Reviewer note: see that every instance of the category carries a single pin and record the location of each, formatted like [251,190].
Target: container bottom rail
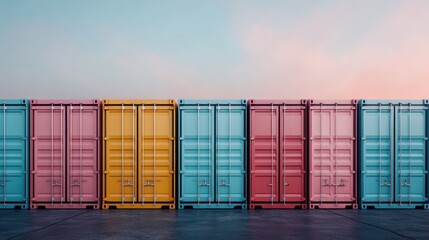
[334,206]
[394,206]
[138,205]
[65,206]
[256,205]
[213,206]
[16,205]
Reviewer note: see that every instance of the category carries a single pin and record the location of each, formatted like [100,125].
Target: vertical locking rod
[122,154]
[335,153]
[154,154]
[52,154]
[229,155]
[209,153]
[70,150]
[272,154]
[134,153]
[321,155]
[4,154]
[379,153]
[61,153]
[409,155]
[283,144]
[217,153]
[143,156]
[198,153]
[80,154]
[400,152]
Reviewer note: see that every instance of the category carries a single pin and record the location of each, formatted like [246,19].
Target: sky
[214,49]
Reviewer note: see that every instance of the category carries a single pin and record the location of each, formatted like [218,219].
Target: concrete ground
[214,224]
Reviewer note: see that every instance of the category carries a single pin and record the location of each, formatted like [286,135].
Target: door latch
[205,183]
[405,184]
[385,184]
[223,184]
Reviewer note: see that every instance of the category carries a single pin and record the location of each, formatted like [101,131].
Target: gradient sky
[214,49]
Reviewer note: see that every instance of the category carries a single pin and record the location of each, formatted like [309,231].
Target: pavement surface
[214,224]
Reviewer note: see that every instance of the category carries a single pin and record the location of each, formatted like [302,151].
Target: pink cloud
[390,61]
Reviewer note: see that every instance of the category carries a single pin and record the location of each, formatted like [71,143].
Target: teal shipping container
[212,154]
[14,154]
[393,154]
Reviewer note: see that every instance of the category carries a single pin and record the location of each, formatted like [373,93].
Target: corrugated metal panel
[393,158]
[196,146]
[14,155]
[230,155]
[264,146]
[332,154]
[65,153]
[212,153]
[410,160]
[277,153]
[83,153]
[156,161]
[48,154]
[293,120]
[139,153]
[377,128]
[120,158]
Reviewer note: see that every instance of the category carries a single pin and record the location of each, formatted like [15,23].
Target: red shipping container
[65,153]
[332,154]
[277,131]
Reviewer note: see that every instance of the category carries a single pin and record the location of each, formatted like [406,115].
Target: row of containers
[230,154]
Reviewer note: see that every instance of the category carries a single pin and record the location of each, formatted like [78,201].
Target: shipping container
[393,154]
[65,154]
[212,154]
[332,154]
[14,154]
[139,154]
[277,154]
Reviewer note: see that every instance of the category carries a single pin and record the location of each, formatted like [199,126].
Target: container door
[197,154]
[120,153]
[13,155]
[377,154]
[82,153]
[333,151]
[49,154]
[292,154]
[230,154]
[264,153]
[156,153]
[410,174]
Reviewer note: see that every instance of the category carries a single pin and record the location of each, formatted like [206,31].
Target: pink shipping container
[332,154]
[277,131]
[65,154]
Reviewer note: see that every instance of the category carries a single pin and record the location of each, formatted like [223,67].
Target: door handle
[385,184]
[223,184]
[405,184]
[205,183]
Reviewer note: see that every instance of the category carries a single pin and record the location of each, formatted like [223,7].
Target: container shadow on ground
[214,224]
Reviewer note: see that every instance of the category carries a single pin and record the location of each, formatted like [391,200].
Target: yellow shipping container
[139,153]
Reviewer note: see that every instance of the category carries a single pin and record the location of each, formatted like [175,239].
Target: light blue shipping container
[14,154]
[393,154]
[212,154]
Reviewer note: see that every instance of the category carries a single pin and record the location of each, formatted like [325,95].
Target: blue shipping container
[393,154]
[212,154]
[14,154]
